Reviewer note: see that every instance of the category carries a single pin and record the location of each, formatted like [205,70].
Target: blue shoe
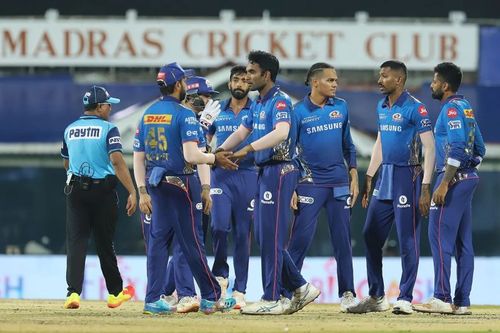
[159,307]
[222,305]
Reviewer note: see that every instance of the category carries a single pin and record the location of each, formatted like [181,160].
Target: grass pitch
[93,316]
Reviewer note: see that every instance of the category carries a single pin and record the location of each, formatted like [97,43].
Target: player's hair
[397,66]
[266,61]
[167,89]
[90,107]
[449,73]
[316,69]
[237,70]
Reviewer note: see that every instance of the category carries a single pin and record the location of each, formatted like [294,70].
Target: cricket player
[273,129]
[233,192]
[165,151]
[325,147]
[404,126]
[459,150]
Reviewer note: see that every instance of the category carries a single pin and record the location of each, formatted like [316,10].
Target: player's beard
[239,94]
[438,94]
[182,94]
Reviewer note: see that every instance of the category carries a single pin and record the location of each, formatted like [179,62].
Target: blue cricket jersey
[400,127]
[226,123]
[458,138]
[264,114]
[87,144]
[164,127]
[324,141]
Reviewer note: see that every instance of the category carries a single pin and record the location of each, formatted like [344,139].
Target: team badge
[335,114]
[397,117]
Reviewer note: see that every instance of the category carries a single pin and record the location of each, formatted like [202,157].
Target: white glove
[209,113]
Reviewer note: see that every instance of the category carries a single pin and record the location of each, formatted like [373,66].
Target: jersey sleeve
[420,117]
[455,130]
[282,111]
[189,127]
[138,138]
[348,147]
[247,120]
[64,149]
[113,140]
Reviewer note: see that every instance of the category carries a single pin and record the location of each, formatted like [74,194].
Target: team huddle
[274,162]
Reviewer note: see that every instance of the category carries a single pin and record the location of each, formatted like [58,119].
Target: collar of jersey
[311,106]
[452,97]
[269,94]
[89,117]
[227,103]
[399,102]
[170,99]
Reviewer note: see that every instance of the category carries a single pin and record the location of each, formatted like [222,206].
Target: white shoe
[402,307]
[461,310]
[303,296]
[223,283]
[347,301]
[370,304]
[240,299]
[188,304]
[170,299]
[435,305]
[264,308]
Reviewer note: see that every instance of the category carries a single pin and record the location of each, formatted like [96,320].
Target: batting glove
[209,113]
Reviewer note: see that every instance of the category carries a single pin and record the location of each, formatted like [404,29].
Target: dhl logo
[158,119]
[469,113]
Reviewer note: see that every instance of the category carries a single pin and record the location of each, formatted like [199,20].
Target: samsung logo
[324,127]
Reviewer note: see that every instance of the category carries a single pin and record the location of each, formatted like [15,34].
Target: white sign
[43,277]
[211,43]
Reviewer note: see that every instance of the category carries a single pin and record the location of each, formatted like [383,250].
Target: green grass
[93,316]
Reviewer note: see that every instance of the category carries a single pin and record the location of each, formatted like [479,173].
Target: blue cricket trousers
[232,194]
[450,233]
[311,199]
[177,211]
[276,184]
[403,211]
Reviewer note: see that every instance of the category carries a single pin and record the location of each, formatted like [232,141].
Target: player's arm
[145,203]
[375,162]
[424,203]
[204,174]
[66,164]
[194,156]
[65,155]
[349,151]
[235,138]
[271,139]
[123,175]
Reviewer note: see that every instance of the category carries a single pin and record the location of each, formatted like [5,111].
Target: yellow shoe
[124,295]
[72,301]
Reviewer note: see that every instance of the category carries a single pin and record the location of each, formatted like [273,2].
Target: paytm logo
[84,132]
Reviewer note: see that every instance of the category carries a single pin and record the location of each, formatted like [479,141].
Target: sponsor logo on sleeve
[281,115]
[469,113]
[455,124]
[165,119]
[137,143]
[423,111]
[191,121]
[425,122]
[452,113]
[191,133]
[115,140]
[281,105]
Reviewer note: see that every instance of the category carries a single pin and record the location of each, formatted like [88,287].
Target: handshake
[209,113]
[228,160]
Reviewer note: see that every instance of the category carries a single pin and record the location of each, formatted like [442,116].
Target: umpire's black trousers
[93,209]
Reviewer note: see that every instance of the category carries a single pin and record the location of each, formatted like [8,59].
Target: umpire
[93,159]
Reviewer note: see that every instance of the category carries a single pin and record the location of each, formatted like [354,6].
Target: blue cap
[170,74]
[96,94]
[199,85]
